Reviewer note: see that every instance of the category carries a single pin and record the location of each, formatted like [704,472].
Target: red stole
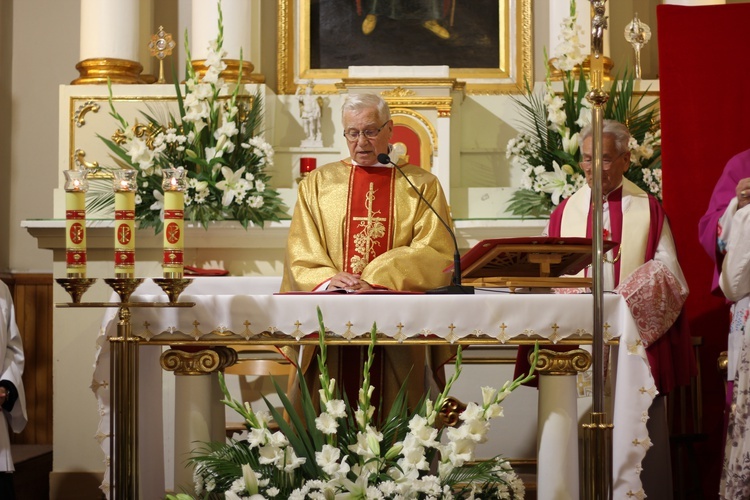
[615,222]
[671,357]
[369,221]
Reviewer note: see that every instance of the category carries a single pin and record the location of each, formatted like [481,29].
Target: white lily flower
[250,478]
[554,183]
[231,184]
[571,143]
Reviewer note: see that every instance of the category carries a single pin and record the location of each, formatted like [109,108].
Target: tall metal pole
[597,484]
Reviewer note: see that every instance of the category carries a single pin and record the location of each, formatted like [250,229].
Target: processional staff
[597,446]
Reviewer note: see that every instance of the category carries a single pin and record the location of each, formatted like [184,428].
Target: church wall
[6,52]
[39,52]
[44,54]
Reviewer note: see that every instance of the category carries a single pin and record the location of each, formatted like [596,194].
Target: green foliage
[549,120]
[221,465]
[214,137]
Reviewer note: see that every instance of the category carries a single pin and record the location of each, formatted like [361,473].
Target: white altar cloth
[223,306]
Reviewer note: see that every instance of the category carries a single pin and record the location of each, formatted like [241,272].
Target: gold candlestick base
[124,287]
[76,287]
[173,287]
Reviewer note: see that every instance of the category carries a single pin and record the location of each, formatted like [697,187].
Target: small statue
[598,25]
[310,108]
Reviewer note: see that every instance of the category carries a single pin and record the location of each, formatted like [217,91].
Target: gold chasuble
[369,221]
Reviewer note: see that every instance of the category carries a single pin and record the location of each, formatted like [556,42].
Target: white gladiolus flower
[489,395]
[336,408]
[257,437]
[291,461]
[326,424]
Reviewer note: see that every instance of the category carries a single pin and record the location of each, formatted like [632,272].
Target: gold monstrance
[161,46]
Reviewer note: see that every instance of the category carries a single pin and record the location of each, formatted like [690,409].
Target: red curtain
[704,108]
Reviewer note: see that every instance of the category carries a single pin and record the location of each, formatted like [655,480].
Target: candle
[75,222]
[307,165]
[124,187]
[174,217]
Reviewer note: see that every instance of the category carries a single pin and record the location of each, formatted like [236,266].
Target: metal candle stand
[124,481]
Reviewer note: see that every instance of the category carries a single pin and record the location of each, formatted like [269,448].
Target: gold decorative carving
[232,73]
[102,70]
[398,92]
[449,413]
[285,37]
[198,363]
[79,117]
[79,161]
[562,363]
[140,130]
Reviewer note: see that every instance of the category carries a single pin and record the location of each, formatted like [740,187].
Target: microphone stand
[455,287]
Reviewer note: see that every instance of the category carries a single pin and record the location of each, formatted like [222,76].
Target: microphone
[455,287]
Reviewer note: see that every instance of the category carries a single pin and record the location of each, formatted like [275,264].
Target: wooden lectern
[533,262]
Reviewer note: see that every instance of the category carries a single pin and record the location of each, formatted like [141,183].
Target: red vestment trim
[369,220]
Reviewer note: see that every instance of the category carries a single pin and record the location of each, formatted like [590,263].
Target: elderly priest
[643,268]
[357,226]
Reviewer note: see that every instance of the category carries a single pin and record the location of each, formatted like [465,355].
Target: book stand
[533,262]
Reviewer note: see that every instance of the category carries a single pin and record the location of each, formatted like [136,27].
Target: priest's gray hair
[614,128]
[360,102]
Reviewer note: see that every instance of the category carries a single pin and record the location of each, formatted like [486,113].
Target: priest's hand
[743,192]
[349,282]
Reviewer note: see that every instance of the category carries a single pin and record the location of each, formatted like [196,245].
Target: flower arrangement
[546,149]
[214,138]
[342,453]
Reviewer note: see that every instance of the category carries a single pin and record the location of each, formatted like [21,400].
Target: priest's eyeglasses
[606,162]
[370,133]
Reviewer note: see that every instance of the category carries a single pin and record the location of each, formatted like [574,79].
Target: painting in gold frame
[311,30]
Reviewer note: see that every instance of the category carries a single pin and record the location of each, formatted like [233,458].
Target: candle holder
[76,287]
[124,287]
[173,287]
[306,165]
[76,185]
[174,185]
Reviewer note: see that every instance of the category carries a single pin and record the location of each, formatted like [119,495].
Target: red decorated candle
[75,223]
[174,222]
[124,187]
[307,165]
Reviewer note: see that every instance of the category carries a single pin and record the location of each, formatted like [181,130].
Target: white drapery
[224,305]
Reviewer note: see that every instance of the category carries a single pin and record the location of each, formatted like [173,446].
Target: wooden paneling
[32,297]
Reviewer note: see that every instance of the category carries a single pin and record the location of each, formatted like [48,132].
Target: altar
[227,313]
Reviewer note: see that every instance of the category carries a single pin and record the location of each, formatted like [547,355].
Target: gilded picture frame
[502,63]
